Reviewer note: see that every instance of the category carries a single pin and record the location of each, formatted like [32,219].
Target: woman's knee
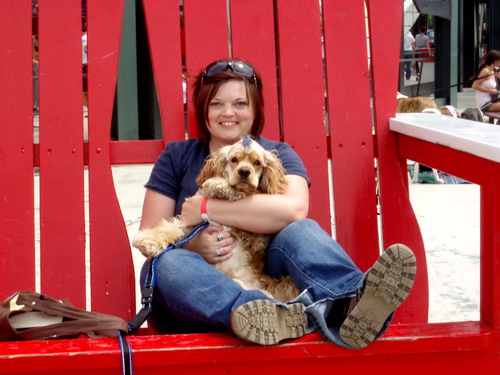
[302,232]
[300,226]
[174,264]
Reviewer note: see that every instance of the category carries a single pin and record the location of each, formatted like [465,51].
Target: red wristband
[203,209]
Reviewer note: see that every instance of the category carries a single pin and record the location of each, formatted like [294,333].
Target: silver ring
[217,252]
[219,236]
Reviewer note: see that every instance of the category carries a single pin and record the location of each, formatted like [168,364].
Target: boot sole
[265,323]
[388,284]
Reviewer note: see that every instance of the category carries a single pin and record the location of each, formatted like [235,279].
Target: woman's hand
[214,244]
[191,210]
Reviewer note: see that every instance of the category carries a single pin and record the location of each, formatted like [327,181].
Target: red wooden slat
[469,167]
[112,271]
[206,38]
[430,349]
[351,129]
[253,39]
[16,150]
[490,249]
[163,25]
[135,152]
[62,223]
[398,220]
[302,96]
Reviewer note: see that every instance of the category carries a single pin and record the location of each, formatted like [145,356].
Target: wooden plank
[112,271]
[135,152]
[457,163]
[62,222]
[351,139]
[206,40]
[467,346]
[163,20]
[253,39]
[490,249]
[473,137]
[16,150]
[399,224]
[302,96]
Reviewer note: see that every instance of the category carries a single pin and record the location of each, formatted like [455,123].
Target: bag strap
[149,283]
[75,321]
[92,327]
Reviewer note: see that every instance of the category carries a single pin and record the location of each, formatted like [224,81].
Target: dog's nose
[244,172]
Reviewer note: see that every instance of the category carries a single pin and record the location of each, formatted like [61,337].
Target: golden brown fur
[233,173]
[414,105]
[445,111]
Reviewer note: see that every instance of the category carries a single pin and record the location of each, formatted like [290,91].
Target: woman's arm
[155,208]
[259,213]
[158,206]
[477,84]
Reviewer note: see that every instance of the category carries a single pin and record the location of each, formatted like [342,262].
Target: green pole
[127,109]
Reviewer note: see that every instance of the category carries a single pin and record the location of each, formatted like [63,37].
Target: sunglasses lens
[215,68]
[242,68]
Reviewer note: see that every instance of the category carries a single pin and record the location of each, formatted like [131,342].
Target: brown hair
[491,57]
[205,88]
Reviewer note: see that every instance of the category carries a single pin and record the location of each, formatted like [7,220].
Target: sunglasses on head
[238,67]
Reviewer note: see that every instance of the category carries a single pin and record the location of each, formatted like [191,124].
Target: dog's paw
[218,187]
[152,242]
[148,245]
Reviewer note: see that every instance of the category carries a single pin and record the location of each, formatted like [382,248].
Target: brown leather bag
[53,318]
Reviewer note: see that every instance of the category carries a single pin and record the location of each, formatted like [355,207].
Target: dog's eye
[257,162]
[234,160]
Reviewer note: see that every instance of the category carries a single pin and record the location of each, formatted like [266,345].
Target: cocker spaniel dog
[233,173]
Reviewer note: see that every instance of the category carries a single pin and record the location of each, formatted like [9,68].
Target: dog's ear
[273,179]
[214,167]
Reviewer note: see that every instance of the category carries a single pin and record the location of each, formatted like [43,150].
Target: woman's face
[230,114]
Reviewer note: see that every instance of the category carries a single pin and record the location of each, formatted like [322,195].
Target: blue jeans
[408,65]
[192,296]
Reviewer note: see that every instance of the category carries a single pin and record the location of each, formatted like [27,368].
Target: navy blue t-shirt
[176,169]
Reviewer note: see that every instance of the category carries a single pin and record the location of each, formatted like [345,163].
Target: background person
[485,83]
[421,43]
[408,50]
[431,35]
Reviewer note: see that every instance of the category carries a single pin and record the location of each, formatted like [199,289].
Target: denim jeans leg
[321,268]
[408,65]
[192,292]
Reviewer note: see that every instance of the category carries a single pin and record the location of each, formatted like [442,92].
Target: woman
[192,296]
[485,83]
